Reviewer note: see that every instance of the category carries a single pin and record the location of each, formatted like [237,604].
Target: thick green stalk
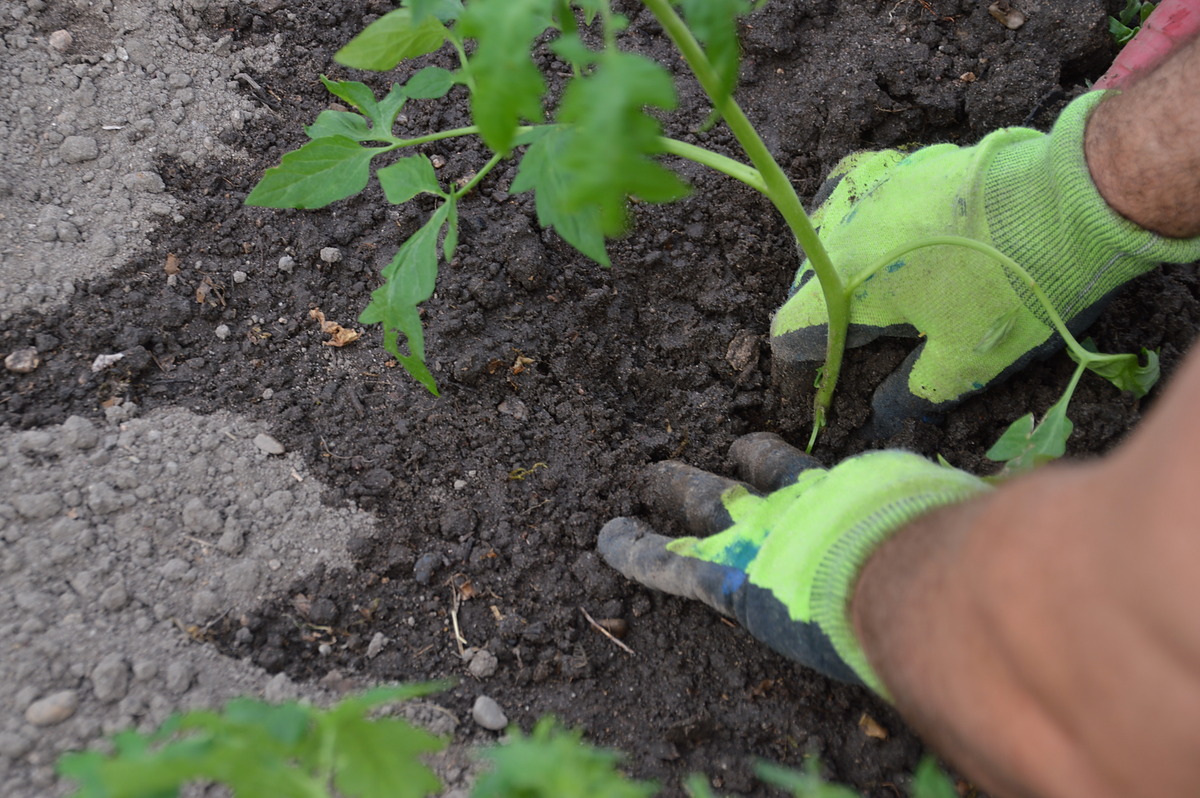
[782,194]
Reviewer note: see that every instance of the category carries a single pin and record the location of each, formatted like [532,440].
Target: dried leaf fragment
[871,727]
[339,335]
[172,264]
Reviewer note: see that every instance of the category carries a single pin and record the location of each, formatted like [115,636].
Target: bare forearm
[1044,637]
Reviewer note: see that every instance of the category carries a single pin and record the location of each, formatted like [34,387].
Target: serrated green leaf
[324,170]
[286,723]
[930,782]
[608,154]
[408,281]
[714,22]
[553,762]
[382,114]
[507,87]
[429,84]
[407,178]
[379,759]
[445,10]
[339,123]
[392,38]
[542,170]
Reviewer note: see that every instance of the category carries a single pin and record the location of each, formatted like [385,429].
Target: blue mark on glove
[733,581]
[977,386]
[738,554]
[894,267]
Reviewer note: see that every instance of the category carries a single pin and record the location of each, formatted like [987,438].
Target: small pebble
[110,679]
[287,263]
[425,566]
[23,360]
[488,714]
[61,40]
[331,255]
[54,708]
[77,149]
[239,277]
[483,664]
[179,677]
[267,444]
[13,745]
[222,331]
[376,645]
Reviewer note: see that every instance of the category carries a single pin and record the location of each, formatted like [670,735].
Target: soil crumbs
[560,380]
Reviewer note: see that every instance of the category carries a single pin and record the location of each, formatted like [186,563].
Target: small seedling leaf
[507,86]
[324,170]
[1125,372]
[385,114]
[395,36]
[542,171]
[407,178]
[408,281]
[340,123]
[430,83]
[357,94]
[1014,441]
[1024,446]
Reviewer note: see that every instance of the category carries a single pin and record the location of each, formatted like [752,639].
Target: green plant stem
[441,134]
[782,194]
[713,160]
[1081,354]
[456,40]
[480,175]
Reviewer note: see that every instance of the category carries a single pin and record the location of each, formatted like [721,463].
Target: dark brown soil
[629,366]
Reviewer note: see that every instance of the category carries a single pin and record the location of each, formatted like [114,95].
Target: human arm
[1044,637]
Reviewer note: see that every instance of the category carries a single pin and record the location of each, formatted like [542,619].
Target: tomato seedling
[583,159]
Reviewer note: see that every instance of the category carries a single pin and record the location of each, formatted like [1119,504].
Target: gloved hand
[1026,193]
[784,564]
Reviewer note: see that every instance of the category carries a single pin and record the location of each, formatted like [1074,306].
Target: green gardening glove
[784,564]
[1026,193]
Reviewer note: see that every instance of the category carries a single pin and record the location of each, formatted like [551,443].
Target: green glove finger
[1029,195]
[802,547]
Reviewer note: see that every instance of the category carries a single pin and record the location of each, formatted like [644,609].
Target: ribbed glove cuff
[910,486]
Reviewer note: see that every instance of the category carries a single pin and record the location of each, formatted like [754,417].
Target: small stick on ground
[605,632]
[459,640]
